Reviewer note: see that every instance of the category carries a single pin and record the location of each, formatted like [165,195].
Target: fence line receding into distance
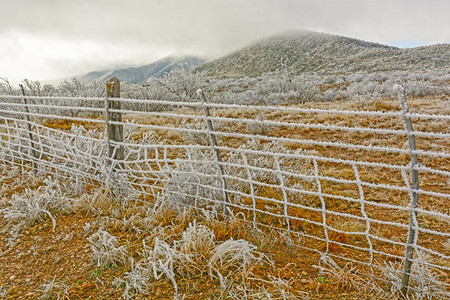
[341,182]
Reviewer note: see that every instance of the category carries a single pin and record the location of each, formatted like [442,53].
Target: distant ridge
[299,52]
[321,53]
[141,74]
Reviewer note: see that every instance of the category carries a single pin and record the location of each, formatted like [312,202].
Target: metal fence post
[413,224]
[114,131]
[215,149]
[30,133]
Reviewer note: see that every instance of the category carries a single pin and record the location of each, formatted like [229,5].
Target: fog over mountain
[325,54]
[140,74]
[49,39]
[296,51]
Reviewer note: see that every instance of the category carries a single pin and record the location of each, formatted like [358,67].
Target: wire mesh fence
[338,182]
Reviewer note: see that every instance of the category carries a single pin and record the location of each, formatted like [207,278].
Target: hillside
[320,53]
[142,73]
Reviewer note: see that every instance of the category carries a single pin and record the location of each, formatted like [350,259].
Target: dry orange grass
[66,125]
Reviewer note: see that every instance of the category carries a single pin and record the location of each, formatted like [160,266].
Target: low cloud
[51,38]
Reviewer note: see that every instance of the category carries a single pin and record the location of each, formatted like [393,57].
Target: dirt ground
[58,264]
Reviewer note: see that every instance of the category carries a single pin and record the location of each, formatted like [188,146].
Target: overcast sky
[49,39]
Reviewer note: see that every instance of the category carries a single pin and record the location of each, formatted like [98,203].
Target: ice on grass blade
[447,245]
[195,182]
[106,250]
[348,277]
[197,242]
[196,251]
[258,289]
[234,256]
[424,282]
[118,184]
[137,280]
[195,246]
[35,206]
[28,208]
[53,289]
[3,291]
[196,133]
[157,261]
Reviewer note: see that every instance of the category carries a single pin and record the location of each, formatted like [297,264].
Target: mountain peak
[141,74]
[302,51]
[298,34]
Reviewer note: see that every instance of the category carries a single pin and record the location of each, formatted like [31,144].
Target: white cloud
[51,38]
[37,57]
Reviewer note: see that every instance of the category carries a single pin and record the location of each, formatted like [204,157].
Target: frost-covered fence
[336,182]
[61,140]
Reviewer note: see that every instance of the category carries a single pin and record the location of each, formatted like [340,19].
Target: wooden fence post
[30,133]
[114,131]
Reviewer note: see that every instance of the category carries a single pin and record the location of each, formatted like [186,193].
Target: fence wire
[337,180]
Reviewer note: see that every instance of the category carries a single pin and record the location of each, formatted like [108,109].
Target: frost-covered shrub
[420,88]
[35,206]
[74,87]
[6,88]
[424,282]
[192,133]
[270,163]
[79,155]
[180,84]
[260,127]
[52,289]
[247,97]
[328,95]
[195,181]
[268,89]
[368,90]
[284,88]
[366,86]
[196,252]
[149,91]
[277,82]
[231,257]
[105,249]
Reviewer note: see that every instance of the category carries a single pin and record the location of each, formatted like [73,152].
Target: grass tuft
[52,289]
[105,249]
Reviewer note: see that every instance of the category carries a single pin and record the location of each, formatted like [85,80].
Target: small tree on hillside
[181,84]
